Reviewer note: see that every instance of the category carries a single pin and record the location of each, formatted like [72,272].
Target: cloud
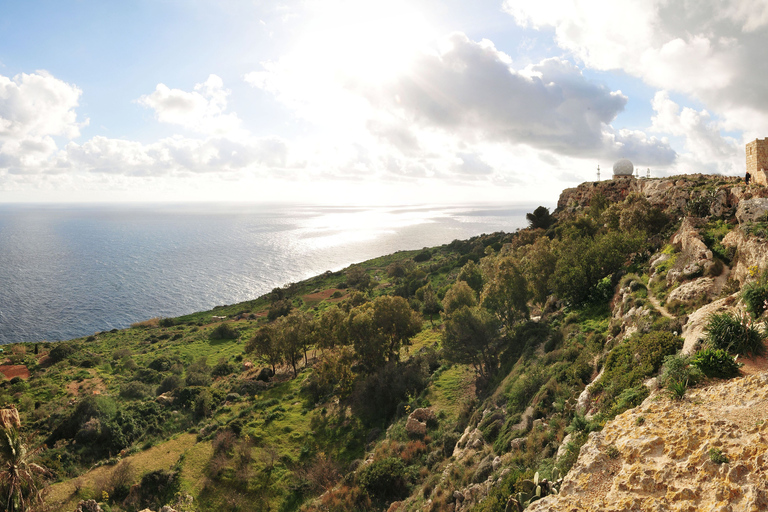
[443,114]
[706,150]
[175,156]
[34,108]
[470,89]
[201,110]
[713,51]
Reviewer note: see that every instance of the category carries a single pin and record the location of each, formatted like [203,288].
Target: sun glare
[368,41]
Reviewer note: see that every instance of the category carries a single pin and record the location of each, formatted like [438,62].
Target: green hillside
[440,379]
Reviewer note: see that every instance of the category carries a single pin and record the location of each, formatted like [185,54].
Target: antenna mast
[598,172]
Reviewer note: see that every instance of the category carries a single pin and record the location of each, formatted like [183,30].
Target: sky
[370,102]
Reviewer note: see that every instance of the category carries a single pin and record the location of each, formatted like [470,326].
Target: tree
[506,294]
[472,337]
[358,277]
[459,295]
[369,344]
[266,345]
[21,480]
[538,262]
[396,321]
[471,274]
[292,334]
[540,218]
[431,305]
[330,328]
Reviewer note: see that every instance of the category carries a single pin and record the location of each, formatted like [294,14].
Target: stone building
[757,161]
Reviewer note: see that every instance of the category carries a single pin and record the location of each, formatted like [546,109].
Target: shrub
[224,331]
[422,256]
[716,363]
[135,390]
[169,384]
[717,456]
[755,295]
[278,309]
[384,479]
[62,351]
[222,369]
[735,334]
[677,368]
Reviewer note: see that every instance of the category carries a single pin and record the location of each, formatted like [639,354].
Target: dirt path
[661,309]
[719,282]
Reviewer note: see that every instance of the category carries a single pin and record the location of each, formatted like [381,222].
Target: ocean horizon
[68,271]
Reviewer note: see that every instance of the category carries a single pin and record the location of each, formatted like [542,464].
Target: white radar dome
[623,168]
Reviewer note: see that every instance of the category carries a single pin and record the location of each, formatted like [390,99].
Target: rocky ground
[662,455]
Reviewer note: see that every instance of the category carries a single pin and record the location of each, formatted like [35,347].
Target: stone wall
[757,161]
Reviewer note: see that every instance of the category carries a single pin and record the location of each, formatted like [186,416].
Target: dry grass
[152,322]
[63,497]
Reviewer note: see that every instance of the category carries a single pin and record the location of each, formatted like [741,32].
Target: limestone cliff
[661,456]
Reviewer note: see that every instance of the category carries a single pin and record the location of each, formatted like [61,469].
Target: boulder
[166,398]
[692,291]
[424,415]
[88,506]
[415,428]
[751,210]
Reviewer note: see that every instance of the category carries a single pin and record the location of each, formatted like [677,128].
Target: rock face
[692,291]
[751,210]
[663,455]
[671,194]
[693,330]
[751,252]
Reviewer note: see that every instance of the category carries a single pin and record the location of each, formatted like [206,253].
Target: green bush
[678,368]
[716,363]
[224,331]
[62,351]
[135,390]
[735,334]
[629,363]
[384,479]
[755,295]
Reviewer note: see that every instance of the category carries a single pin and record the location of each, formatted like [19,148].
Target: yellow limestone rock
[664,460]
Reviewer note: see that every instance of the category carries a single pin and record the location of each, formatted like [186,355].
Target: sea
[68,271]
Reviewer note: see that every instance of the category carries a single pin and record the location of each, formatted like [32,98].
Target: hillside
[466,377]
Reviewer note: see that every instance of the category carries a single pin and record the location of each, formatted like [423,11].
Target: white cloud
[201,110]
[175,156]
[34,108]
[711,50]
[470,89]
[706,150]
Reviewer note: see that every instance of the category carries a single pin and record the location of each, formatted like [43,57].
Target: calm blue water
[69,271]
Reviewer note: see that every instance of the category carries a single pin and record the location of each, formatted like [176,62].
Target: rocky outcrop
[663,455]
[88,506]
[751,210]
[694,257]
[692,291]
[693,330]
[671,194]
[752,252]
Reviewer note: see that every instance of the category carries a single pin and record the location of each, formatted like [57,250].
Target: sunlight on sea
[68,271]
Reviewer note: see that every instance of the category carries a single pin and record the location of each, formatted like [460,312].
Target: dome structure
[623,168]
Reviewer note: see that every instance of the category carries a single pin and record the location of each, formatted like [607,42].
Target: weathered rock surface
[751,252]
[693,330]
[751,210]
[671,194]
[664,462]
[692,291]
